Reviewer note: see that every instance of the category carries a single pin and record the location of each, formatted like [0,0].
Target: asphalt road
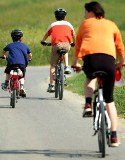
[44,128]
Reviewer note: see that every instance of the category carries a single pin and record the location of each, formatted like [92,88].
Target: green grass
[76,85]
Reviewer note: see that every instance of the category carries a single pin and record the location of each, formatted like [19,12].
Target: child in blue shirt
[18,56]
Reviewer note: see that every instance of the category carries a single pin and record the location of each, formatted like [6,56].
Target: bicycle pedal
[65,84]
[94,133]
[18,97]
[23,95]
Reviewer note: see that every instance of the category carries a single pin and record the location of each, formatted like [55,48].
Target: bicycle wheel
[61,81]
[56,82]
[102,132]
[94,108]
[108,132]
[13,98]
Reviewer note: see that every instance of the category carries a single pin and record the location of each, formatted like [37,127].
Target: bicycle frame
[14,86]
[59,75]
[99,100]
[101,123]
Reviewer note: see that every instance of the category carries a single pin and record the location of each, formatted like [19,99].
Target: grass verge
[76,85]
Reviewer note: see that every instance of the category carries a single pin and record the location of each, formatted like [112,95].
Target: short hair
[96,8]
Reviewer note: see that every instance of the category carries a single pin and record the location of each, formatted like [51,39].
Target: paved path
[44,128]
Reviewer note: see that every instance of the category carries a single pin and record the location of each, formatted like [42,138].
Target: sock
[113,134]
[88,100]
[21,86]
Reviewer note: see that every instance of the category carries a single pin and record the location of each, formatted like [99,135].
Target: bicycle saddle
[99,74]
[62,51]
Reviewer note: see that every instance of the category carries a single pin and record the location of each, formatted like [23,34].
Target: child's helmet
[60,13]
[16,33]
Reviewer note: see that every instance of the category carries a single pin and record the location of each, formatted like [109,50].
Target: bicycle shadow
[57,153]
[5,106]
[40,98]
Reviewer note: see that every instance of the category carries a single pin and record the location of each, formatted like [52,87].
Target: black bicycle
[59,75]
[60,78]
[101,120]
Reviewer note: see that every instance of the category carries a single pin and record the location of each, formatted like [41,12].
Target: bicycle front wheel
[102,132]
[61,81]
[13,98]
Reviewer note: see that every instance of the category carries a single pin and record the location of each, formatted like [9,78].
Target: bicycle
[101,120]
[59,77]
[14,85]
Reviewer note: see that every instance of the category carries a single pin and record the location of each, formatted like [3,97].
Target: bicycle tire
[102,131]
[56,82]
[94,108]
[61,81]
[13,98]
[108,132]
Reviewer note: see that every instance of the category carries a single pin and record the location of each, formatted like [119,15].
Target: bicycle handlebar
[76,68]
[45,43]
[49,44]
[2,57]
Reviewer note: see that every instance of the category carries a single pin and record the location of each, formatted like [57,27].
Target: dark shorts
[103,62]
[10,67]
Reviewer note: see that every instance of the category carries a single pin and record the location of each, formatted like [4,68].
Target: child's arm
[45,37]
[30,56]
[4,54]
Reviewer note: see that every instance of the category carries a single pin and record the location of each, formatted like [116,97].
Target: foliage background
[34,17]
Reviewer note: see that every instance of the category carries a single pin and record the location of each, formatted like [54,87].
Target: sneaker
[22,93]
[114,142]
[87,110]
[4,86]
[67,70]
[51,88]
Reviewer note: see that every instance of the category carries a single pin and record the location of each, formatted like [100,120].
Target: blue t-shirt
[18,53]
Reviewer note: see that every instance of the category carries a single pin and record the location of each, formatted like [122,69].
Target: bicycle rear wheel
[56,82]
[13,98]
[61,81]
[102,131]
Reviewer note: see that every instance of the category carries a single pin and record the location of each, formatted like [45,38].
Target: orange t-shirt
[60,31]
[98,36]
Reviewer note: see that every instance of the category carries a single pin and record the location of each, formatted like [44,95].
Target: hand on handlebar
[119,65]
[3,57]
[72,44]
[45,43]
[76,69]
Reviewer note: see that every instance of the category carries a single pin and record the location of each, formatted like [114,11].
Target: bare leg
[52,71]
[66,59]
[111,109]
[7,77]
[90,86]
[22,83]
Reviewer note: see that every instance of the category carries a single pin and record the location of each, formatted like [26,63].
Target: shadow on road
[5,106]
[40,98]
[56,153]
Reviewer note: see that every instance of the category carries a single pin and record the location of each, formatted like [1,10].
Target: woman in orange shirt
[97,42]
